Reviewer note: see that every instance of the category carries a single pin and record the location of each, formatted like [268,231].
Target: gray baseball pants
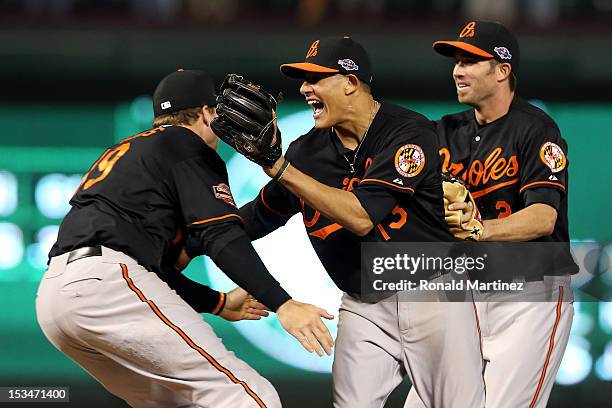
[524,337]
[139,339]
[435,343]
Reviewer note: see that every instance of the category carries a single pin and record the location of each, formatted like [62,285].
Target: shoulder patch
[222,192]
[552,156]
[409,160]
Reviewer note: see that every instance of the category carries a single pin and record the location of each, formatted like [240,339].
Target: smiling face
[476,78]
[326,95]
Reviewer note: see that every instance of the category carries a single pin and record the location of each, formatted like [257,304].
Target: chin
[464,99]
[322,124]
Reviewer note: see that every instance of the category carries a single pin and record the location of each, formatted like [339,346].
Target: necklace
[352,163]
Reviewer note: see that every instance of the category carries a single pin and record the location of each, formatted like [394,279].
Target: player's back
[129,200]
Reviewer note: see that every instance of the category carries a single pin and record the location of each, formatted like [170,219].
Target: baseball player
[368,172]
[102,302]
[512,157]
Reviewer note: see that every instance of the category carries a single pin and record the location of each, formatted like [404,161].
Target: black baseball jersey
[144,194]
[518,160]
[394,173]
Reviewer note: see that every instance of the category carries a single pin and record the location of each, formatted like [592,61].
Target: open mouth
[317,106]
[462,85]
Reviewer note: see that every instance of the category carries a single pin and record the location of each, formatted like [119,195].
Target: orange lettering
[106,163]
[383,232]
[326,231]
[475,173]
[498,168]
[456,168]
[513,167]
[468,30]
[402,217]
[488,162]
[504,207]
[445,154]
[314,219]
[494,168]
[313,50]
[349,185]
[145,133]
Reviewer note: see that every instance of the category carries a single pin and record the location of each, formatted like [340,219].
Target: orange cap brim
[299,69]
[447,48]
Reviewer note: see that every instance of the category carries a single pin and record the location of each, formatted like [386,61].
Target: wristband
[283,168]
[220,304]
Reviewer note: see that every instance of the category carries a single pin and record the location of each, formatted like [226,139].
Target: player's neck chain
[351,163]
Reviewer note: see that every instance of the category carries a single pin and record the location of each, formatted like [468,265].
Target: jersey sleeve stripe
[535,183]
[263,200]
[220,303]
[217,218]
[187,339]
[551,345]
[369,180]
[480,193]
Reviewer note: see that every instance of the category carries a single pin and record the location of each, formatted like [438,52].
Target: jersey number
[104,165]
[503,208]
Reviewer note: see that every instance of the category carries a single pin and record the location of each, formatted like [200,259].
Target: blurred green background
[47,160]
[77,75]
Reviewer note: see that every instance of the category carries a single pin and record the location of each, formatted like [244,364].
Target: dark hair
[513,82]
[182,117]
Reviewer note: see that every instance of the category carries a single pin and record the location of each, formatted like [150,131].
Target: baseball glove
[246,116]
[456,192]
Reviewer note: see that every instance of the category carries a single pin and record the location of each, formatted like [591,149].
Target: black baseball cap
[485,39]
[333,55]
[183,89]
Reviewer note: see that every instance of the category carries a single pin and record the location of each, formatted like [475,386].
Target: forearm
[201,298]
[239,261]
[338,205]
[258,225]
[533,222]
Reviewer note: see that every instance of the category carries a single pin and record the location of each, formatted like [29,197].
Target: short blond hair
[182,117]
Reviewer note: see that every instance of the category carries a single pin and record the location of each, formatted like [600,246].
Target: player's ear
[351,84]
[503,71]
[208,113]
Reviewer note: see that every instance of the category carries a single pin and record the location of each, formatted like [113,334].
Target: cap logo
[313,50]
[503,53]
[348,64]
[166,105]
[469,30]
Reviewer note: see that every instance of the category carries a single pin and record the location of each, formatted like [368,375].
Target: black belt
[85,252]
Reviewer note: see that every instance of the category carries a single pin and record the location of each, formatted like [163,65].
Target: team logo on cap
[469,30]
[503,53]
[552,156]
[348,64]
[313,50]
[166,105]
[409,160]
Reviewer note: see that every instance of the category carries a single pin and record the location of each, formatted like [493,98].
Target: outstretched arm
[232,251]
[338,205]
